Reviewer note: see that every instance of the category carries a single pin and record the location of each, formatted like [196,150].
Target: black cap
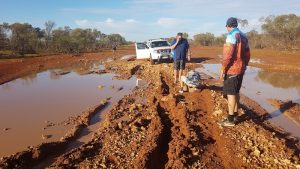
[232,22]
[179,34]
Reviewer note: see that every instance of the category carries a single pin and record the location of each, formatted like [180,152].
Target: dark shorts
[232,84]
[179,64]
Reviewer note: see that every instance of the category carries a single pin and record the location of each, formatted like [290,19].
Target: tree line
[23,38]
[277,32]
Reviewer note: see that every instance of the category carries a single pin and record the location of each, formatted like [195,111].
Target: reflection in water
[27,80]
[5,86]
[260,85]
[81,68]
[281,80]
[26,108]
[54,75]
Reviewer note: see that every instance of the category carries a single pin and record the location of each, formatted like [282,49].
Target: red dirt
[155,127]
[270,60]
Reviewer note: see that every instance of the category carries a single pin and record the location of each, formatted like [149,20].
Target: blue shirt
[231,36]
[180,49]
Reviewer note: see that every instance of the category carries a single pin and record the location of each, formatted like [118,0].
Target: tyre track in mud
[197,141]
[185,137]
[188,135]
[158,158]
[174,130]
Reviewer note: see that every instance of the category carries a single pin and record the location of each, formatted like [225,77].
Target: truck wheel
[151,60]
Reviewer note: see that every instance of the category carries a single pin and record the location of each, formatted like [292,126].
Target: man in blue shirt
[181,48]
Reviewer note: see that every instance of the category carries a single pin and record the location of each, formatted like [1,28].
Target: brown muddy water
[29,104]
[260,85]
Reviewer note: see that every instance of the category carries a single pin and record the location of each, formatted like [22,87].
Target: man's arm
[189,53]
[228,51]
[247,57]
[175,44]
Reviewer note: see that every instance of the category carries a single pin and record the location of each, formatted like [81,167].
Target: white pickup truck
[155,50]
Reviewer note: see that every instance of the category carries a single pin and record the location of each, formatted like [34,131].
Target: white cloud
[93,10]
[170,26]
[168,22]
[109,21]
[82,23]
[130,28]
[143,2]
[164,18]
[130,20]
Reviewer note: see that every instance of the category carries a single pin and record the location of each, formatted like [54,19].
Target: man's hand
[189,55]
[174,46]
[178,39]
[221,76]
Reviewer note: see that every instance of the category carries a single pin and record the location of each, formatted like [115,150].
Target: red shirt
[236,53]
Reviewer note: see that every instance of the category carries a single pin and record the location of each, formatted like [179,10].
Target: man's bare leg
[232,105]
[237,104]
[181,83]
[175,76]
[180,73]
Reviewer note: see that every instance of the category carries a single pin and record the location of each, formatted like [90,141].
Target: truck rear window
[159,44]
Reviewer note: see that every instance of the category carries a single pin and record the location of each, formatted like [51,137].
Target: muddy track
[188,137]
[159,157]
[165,89]
[156,127]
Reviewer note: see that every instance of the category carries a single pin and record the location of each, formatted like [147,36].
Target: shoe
[236,119]
[227,123]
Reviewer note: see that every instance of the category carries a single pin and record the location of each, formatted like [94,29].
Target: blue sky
[139,20]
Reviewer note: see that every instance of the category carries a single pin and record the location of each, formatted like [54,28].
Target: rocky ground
[156,127]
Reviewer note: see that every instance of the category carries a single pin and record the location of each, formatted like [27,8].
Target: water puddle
[30,104]
[260,85]
[128,57]
[141,83]
[258,61]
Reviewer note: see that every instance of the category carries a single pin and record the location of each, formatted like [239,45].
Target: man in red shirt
[236,56]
